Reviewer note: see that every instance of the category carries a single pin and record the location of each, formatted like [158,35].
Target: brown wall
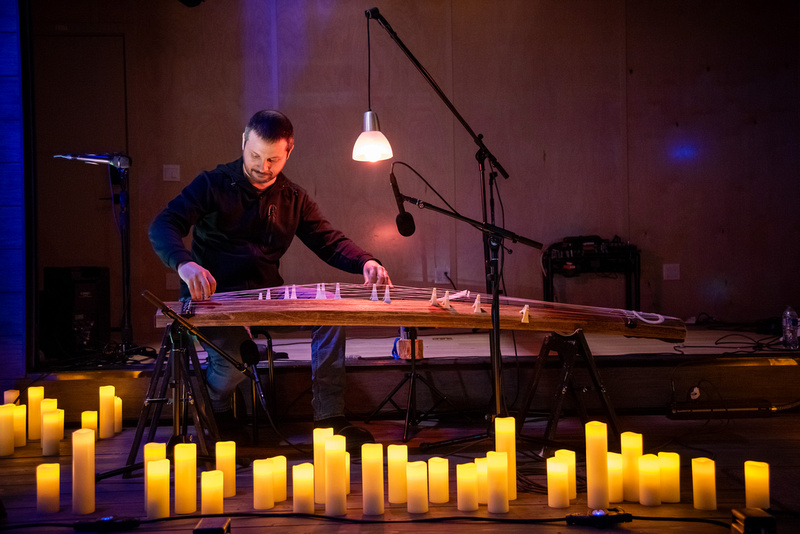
[674,125]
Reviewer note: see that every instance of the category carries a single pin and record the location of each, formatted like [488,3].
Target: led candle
[226,463]
[506,441]
[105,422]
[83,471]
[397,458]
[185,478]
[568,457]
[278,478]
[11,396]
[6,429]
[152,451]
[649,480]
[50,433]
[303,488]
[20,425]
[670,467]
[496,477]
[46,406]
[263,485]
[48,488]
[467,487]
[347,472]
[596,464]
[631,443]
[756,484]
[60,423]
[615,485]
[117,415]
[158,489]
[438,480]
[335,487]
[557,483]
[483,481]
[89,420]
[35,396]
[372,478]
[417,487]
[211,492]
[704,484]
[319,437]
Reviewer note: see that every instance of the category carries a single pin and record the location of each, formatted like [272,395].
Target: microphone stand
[493,235]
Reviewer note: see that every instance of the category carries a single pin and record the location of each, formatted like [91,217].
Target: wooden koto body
[353,305]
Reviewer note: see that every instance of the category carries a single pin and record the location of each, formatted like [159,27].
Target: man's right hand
[201,284]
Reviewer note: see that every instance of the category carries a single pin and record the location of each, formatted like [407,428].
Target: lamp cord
[369,71]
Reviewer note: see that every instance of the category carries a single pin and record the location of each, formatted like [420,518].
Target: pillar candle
[185,478]
[557,483]
[397,458]
[417,487]
[347,472]
[319,437]
[372,478]
[48,488]
[158,489]
[46,406]
[152,451]
[649,480]
[35,396]
[631,443]
[670,467]
[303,488]
[105,422]
[483,482]
[83,471]
[263,484]
[117,415]
[615,485]
[467,487]
[6,430]
[756,484]
[89,420]
[50,433]
[11,396]
[20,425]
[596,464]
[226,463]
[568,457]
[279,478]
[506,441]
[335,487]
[438,480]
[497,480]
[211,492]
[60,423]
[704,484]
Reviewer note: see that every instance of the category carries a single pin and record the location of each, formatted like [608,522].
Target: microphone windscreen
[405,224]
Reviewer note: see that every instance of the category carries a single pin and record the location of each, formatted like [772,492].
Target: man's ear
[244,140]
[289,152]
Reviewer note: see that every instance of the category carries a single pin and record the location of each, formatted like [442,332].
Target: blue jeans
[328,378]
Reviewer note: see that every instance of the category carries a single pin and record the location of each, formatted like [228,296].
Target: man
[244,215]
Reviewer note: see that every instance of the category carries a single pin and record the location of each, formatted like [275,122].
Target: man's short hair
[271,126]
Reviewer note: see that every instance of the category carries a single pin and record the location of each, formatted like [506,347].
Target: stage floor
[729,443]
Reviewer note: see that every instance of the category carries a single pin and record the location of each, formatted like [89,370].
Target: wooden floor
[775,439]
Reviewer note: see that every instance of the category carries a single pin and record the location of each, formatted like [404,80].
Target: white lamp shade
[371,145]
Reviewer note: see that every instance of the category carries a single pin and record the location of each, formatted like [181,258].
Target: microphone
[121,161]
[404,220]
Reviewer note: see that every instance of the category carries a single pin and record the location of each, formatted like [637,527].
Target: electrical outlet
[441,276]
[672,271]
[172,173]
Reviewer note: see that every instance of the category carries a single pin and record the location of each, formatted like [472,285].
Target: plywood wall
[673,125]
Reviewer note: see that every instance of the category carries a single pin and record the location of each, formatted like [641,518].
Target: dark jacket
[241,233]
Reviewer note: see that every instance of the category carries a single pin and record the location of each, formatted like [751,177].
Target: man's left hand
[375,273]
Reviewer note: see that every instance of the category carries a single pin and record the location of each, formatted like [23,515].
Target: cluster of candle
[42,420]
[648,479]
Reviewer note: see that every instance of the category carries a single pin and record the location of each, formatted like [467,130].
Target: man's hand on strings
[375,273]
[201,284]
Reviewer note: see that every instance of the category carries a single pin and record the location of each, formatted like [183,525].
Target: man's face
[263,160]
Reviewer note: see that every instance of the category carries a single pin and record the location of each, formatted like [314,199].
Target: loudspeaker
[74,312]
